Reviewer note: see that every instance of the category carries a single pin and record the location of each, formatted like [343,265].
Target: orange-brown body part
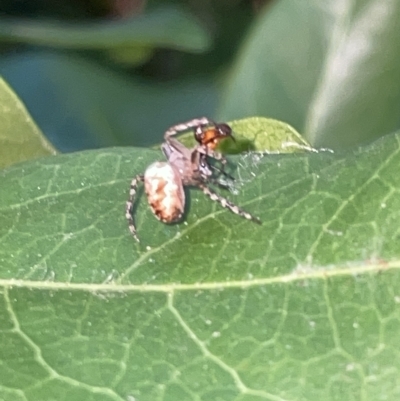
[211,138]
[212,135]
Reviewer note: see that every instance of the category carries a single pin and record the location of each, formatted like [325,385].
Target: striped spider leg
[226,203]
[129,204]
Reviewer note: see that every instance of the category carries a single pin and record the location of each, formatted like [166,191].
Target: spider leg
[178,128]
[173,146]
[218,170]
[129,205]
[228,204]
[204,150]
[221,171]
[220,178]
[209,153]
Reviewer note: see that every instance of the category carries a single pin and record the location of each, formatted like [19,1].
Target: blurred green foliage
[99,73]
[330,69]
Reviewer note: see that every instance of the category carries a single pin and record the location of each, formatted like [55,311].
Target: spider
[164,182]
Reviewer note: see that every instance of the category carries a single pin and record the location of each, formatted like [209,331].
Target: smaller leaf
[267,134]
[20,138]
[260,134]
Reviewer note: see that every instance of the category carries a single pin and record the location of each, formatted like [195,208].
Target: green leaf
[258,133]
[304,307]
[20,139]
[331,71]
[267,135]
[168,27]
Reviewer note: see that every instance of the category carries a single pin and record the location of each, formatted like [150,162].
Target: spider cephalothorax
[164,181]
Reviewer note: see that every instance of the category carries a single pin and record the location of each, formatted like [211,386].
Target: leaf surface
[304,307]
[20,139]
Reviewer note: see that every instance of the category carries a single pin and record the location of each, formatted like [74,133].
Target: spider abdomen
[164,190]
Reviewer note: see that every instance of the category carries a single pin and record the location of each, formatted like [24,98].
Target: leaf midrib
[300,273]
